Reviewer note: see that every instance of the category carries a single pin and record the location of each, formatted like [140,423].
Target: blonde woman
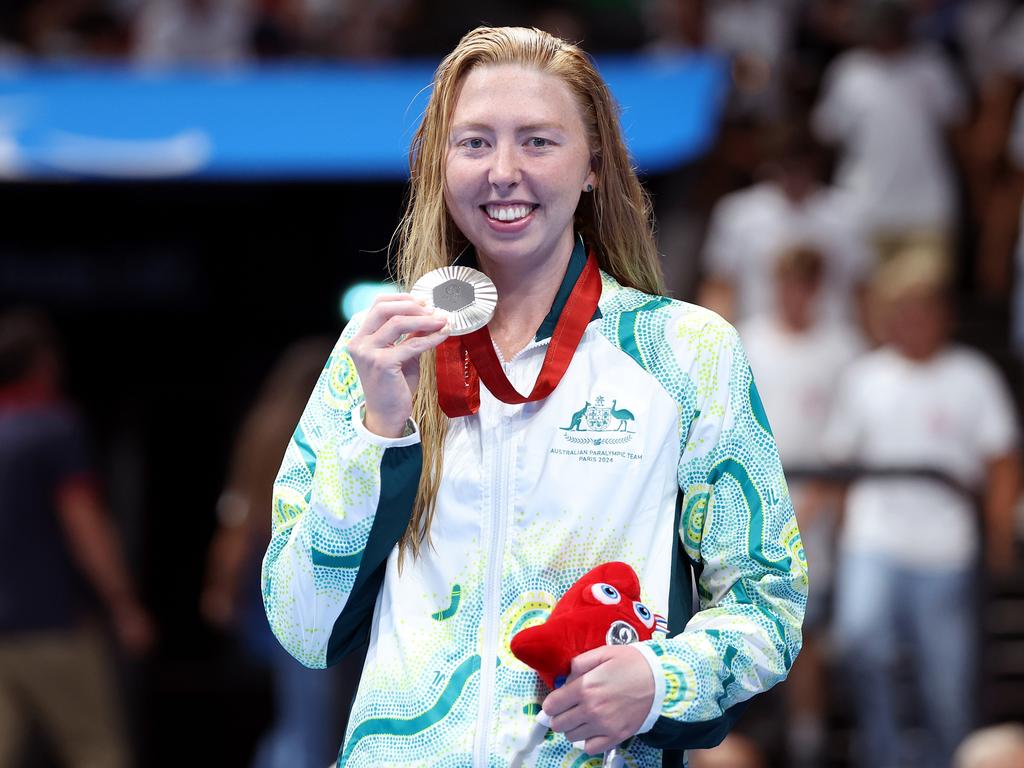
[436,537]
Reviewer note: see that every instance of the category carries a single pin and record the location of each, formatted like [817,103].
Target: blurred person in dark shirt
[58,543]
[311,706]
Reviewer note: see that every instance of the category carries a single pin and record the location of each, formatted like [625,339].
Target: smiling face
[517,162]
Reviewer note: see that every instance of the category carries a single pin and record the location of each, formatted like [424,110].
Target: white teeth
[508,212]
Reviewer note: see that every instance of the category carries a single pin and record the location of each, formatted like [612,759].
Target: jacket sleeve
[739,533]
[342,499]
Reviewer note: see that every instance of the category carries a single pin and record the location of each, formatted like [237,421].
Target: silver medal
[466,296]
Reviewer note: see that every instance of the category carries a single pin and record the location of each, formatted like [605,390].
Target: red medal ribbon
[462,361]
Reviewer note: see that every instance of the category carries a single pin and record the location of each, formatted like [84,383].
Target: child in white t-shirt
[938,419]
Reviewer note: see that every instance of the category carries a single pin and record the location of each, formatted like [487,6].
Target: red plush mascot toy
[602,608]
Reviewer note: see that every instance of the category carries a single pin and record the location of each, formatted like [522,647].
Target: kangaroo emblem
[576,419]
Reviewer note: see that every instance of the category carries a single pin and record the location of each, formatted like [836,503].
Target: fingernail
[543,719]
[579,745]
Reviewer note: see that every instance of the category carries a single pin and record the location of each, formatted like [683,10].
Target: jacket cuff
[659,685]
[411,436]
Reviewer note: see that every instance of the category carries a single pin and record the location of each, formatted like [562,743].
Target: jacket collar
[577,260]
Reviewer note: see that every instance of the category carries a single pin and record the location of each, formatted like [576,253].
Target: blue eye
[605,593]
[537,142]
[644,614]
[473,143]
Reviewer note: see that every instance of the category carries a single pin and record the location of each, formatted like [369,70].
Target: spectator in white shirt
[909,546]
[749,228]
[887,106]
[207,32]
[799,361]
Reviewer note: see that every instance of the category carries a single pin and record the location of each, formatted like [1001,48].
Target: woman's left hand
[605,699]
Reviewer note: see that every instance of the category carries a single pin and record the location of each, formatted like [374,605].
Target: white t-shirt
[797,376]
[758,30]
[171,32]
[751,227]
[952,414]
[888,113]
[991,35]
[752,27]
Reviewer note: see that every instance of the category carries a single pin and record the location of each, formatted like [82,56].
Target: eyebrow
[520,129]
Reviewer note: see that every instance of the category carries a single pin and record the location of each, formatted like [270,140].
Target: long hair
[614,220]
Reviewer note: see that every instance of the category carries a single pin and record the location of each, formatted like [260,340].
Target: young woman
[435,538]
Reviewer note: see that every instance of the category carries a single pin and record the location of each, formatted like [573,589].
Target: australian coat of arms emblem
[599,417]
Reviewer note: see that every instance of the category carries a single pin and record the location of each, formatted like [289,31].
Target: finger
[414,346]
[582,733]
[416,334]
[598,744]
[570,720]
[399,325]
[380,297]
[561,700]
[382,311]
[585,662]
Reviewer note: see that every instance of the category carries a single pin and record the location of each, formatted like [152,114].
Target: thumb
[587,661]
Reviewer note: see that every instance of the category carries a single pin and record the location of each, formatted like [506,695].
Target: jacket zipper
[492,589]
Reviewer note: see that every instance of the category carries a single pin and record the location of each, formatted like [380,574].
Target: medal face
[466,296]
[620,633]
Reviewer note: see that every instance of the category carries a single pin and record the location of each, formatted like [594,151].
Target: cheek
[459,184]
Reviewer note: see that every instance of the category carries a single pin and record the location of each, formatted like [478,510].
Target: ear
[591,177]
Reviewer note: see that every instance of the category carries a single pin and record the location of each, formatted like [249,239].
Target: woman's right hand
[389,370]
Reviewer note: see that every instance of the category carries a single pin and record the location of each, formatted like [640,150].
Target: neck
[525,296]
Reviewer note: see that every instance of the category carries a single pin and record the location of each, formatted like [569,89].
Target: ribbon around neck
[463,361]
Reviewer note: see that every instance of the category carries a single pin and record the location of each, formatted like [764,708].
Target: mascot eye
[606,593]
[644,614]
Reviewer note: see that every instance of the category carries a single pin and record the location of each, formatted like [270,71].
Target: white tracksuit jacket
[654,450]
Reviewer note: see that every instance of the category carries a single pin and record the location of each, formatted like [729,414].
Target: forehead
[501,93]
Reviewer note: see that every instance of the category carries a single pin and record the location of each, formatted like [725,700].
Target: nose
[504,173]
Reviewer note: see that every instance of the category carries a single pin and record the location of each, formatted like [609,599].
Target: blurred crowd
[859,220]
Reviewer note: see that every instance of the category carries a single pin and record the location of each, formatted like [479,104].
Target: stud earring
[590,187]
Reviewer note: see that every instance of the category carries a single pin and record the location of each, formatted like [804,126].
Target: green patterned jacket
[654,450]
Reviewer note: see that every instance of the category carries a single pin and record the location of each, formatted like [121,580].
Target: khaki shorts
[62,683]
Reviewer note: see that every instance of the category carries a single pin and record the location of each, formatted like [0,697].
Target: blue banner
[342,121]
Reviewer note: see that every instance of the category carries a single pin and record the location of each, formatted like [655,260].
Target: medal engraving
[453,295]
[467,296]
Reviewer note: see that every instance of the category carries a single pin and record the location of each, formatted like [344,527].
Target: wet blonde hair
[614,220]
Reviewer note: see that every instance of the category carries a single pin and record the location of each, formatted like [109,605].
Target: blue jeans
[888,614]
